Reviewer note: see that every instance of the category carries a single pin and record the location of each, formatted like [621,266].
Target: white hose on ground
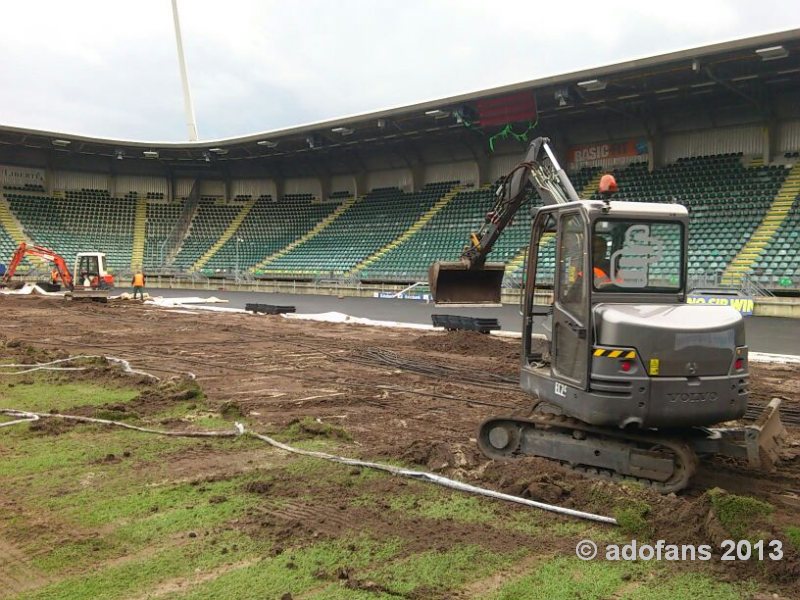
[26,416]
[126,366]
[48,366]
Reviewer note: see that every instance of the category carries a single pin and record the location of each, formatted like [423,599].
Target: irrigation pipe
[25,416]
[49,366]
[28,418]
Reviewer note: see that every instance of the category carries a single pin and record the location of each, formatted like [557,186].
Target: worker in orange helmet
[54,276]
[138,282]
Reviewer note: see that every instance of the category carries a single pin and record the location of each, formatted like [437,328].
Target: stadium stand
[209,223]
[81,220]
[777,264]
[7,245]
[769,254]
[160,221]
[726,200]
[444,236]
[269,227]
[392,235]
[369,224]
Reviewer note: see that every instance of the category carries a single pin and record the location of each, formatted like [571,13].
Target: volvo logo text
[693,397]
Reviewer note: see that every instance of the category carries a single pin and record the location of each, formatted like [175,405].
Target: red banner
[605,150]
[507,109]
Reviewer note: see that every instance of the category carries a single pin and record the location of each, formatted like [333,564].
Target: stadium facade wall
[747,140]
[789,137]
[123,184]
[465,171]
[303,185]
[212,187]
[500,166]
[344,183]
[11,175]
[253,187]
[183,187]
[399,178]
[71,180]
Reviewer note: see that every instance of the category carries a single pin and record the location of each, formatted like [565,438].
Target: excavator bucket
[455,284]
[765,436]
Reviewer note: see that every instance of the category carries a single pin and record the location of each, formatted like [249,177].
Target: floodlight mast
[188,108]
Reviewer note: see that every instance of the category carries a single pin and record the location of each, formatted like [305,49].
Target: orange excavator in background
[94,281]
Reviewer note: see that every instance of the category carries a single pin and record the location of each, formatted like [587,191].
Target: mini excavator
[94,281]
[631,378]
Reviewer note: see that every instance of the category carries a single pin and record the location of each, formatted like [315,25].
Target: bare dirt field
[407,397]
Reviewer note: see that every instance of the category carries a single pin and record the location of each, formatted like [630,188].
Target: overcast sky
[109,67]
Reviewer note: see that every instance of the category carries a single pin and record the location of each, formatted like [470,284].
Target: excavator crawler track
[664,463]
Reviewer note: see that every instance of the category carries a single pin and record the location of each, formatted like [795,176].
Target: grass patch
[739,515]
[69,453]
[43,394]
[309,428]
[793,533]
[632,519]
[436,504]
[143,518]
[295,571]
[140,575]
[686,586]
[568,578]
[428,573]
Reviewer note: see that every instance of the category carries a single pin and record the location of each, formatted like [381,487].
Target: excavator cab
[90,271]
[606,261]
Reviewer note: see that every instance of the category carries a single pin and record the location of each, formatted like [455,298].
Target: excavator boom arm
[470,280]
[45,253]
[541,167]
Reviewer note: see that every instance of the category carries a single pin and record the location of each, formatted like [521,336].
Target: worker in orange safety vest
[601,264]
[54,276]
[138,282]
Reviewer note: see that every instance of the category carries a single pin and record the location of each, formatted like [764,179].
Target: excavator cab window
[88,270]
[637,256]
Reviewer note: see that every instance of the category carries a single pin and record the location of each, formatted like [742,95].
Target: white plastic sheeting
[28,289]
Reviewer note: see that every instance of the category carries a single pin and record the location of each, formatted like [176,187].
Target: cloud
[110,68]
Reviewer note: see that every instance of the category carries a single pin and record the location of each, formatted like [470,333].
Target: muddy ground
[412,396]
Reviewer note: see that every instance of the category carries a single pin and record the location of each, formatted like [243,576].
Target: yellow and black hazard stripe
[615,352]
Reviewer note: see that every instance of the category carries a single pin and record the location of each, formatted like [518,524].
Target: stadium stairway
[139,229]
[743,263]
[233,226]
[12,235]
[310,234]
[11,224]
[408,233]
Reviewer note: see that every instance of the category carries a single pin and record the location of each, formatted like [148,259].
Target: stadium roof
[745,75]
